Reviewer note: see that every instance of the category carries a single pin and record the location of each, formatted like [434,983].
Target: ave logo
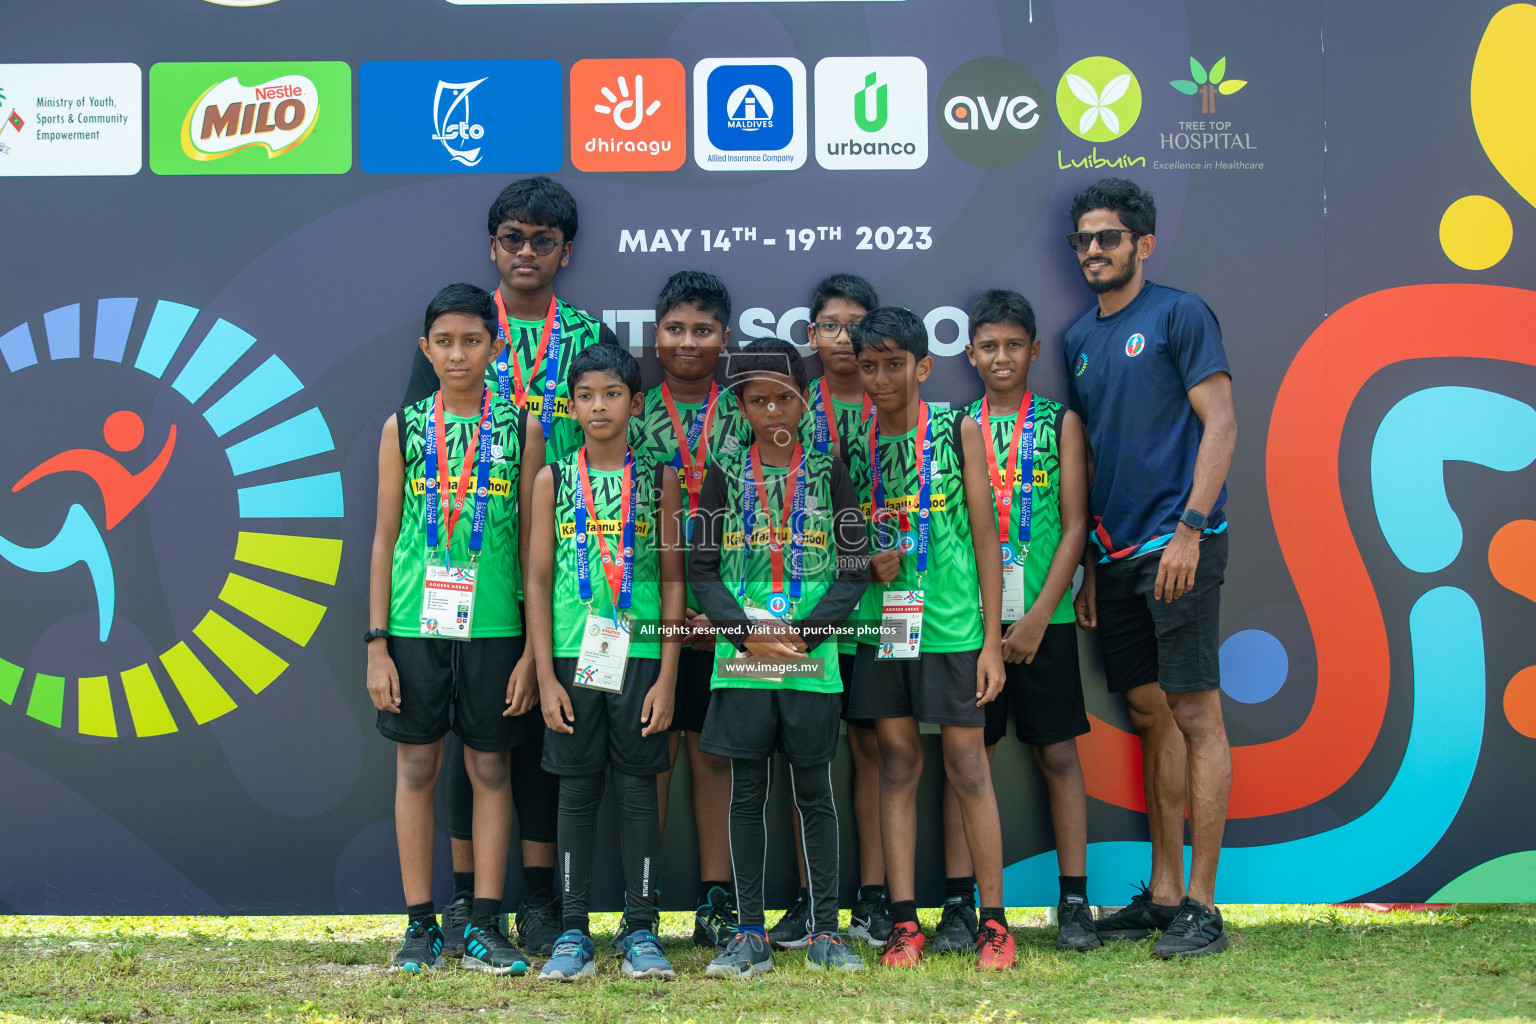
[871,113]
[990,113]
[628,115]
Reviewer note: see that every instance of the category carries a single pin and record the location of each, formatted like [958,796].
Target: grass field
[1286,963]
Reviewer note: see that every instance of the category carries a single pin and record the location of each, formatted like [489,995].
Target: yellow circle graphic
[1475,232]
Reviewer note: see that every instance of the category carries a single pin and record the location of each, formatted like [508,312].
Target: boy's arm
[656,714]
[383,682]
[716,601]
[523,687]
[851,547]
[539,598]
[988,553]
[1023,637]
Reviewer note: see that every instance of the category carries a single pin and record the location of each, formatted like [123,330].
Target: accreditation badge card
[604,653]
[1013,585]
[448,602]
[901,625]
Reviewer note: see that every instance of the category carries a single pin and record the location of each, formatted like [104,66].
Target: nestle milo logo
[230,117]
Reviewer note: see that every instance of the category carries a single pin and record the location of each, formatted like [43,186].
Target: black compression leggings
[812,790]
[639,845]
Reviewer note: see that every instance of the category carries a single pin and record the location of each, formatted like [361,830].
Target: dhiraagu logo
[168,543]
[1098,99]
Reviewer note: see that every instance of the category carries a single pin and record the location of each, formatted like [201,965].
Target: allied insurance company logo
[989,112]
[749,114]
[274,117]
[871,113]
[629,115]
[257,615]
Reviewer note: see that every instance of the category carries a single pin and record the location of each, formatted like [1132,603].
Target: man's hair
[604,358]
[468,299]
[540,201]
[886,326]
[1129,202]
[697,288]
[844,286]
[1002,306]
[766,355]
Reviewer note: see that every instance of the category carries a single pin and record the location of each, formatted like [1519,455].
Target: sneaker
[870,920]
[539,923]
[956,932]
[714,923]
[994,947]
[794,929]
[829,952]
[1138,919]
[455,920]
[747,954]
[487,950]
[643,957]
[1196,931]
[1075,928]
[423,947]
[904,948]
[574,957]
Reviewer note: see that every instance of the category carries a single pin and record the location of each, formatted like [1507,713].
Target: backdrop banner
[223,220]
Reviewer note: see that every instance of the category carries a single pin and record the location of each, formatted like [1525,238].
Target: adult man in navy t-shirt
[1147,372]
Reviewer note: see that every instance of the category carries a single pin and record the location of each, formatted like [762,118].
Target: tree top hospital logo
[1098,99]
[162,548]
[990,113]
[749,114]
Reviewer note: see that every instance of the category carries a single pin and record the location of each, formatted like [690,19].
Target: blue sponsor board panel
[475,116]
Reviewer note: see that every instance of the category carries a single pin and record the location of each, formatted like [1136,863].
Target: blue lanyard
[778,604]
[436,433]
[625,590]
[822,438]
[1027,476]
[504,383]
[925,486]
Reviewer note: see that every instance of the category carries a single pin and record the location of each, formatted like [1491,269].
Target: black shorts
[468,676]
[939,689]
[845,666]
[1174,644]
[756,724]
[694,669]
[607,726]
[1046,695]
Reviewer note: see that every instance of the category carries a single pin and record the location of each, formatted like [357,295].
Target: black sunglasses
[1109,239]
[513,242]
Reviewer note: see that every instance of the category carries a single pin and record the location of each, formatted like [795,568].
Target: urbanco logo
[749,114]
[871,113]
[990,112]
[1208,83]
[628,115]
[1098,99]
[169,547]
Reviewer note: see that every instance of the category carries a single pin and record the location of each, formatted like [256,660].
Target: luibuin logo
[1207,85]
[157,568]
[450,118]
[869,96]
[1099,99]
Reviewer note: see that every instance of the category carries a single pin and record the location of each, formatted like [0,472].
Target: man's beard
[1100,285]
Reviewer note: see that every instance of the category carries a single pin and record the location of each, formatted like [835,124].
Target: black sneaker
[958,923]
[1074,926]
[422,948]
[1138,919]
[1196,931]
[539,923]
[714,923]
[794,929]
[871,919]
[455,919]
[489,951]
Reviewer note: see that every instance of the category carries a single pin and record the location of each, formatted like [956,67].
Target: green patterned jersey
[570,613]
[577,331]
[1045,508]
[848,417]
[951,618]
[500,575]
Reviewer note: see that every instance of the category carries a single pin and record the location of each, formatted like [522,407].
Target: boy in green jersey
[446,631]
[605,573]
[779,561]
[688,423]
[1038,468]
[937,660]
[839,409]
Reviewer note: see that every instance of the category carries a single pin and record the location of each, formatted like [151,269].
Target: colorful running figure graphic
[79,539]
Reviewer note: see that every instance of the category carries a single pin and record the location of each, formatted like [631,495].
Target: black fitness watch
[1192,519]
[374,634]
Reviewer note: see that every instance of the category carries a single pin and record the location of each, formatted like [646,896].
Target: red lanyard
[519,395]
[612,568]
[1002,484]
[775,540]
[876,490]
[693,462]
[471,447]
[830,411]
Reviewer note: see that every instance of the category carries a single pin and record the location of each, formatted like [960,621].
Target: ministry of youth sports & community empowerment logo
[163,540]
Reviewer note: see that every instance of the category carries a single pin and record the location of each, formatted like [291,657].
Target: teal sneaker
[423,947]
[489,951]
[643,957]
[829,952]
[574,957]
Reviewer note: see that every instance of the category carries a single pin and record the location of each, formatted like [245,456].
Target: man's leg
[711,809]
[1068,798]
[1204,733]
[968,771]
[1163,778]
[416,770]
[866,803]
[490,777]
